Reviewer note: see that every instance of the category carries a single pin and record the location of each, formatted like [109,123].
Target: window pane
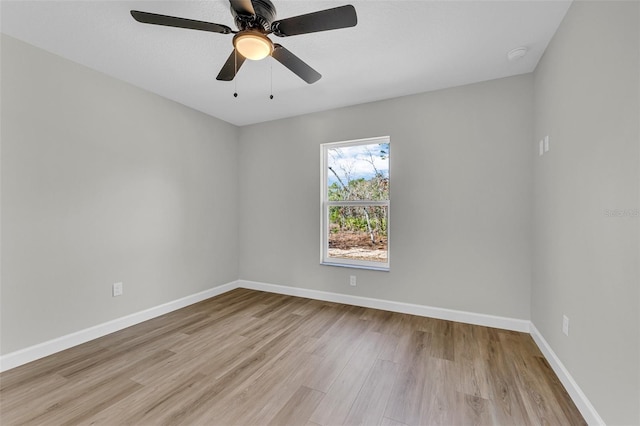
[358,233]
[359,172]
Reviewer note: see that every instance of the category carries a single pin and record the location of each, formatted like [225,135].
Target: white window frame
[325,204]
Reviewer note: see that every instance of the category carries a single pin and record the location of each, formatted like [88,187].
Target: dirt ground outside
[357,246]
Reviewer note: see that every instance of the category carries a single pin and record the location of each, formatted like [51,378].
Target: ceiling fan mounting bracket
[265,14]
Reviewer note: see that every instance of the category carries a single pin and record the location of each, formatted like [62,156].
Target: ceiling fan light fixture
[253,45]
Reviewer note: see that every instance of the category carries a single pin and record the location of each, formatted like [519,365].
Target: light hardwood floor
[253,358]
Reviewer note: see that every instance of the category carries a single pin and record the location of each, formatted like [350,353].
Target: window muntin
[356,204]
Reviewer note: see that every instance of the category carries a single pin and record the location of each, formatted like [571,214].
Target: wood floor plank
[299,407]
[390,348]
[262,394]
[270,392]
[472,410]
[197,403]
[406,397]
[251,358]
[560,394]
[472,375]
[536,395]
[34,370]
[507,401]
[441,346]
[74,406]
[284,371]
[439,404]
[329,315]
[369,405]
[337,402]
[389,422]
[48,404]
[530,385]
[149,404]
[331,365]
[28,392]
[117,361]
[198,358]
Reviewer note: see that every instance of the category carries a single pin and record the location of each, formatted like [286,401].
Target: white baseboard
[32,353]
[579,398]
[387,305]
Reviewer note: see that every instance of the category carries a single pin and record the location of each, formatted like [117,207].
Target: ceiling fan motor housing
[265,15]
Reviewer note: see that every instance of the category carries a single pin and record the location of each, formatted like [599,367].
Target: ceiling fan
[255,20]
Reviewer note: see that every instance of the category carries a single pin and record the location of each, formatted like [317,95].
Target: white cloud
[355,162]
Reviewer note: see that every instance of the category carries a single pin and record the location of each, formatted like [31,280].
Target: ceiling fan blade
[329,19]
[172,21]
[242,7]
[231,67]
[295,64]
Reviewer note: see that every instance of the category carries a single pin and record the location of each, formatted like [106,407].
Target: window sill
[345,265]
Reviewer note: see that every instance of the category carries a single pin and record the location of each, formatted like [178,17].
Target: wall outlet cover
[565,325]
[116,289]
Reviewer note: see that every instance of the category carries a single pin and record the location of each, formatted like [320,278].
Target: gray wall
[103,182]
[586,263]
[461,195]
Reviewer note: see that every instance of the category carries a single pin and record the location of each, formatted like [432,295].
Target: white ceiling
[398,48]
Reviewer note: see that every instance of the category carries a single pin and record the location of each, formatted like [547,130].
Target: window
[355,203]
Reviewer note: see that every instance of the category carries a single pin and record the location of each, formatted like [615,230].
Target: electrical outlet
[116,289]
[352,280]
[565,325]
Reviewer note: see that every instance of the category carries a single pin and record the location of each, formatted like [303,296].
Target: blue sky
[354,162]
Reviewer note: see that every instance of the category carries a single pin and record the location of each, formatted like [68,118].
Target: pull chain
[235,73]
[271,95]
[235,80]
